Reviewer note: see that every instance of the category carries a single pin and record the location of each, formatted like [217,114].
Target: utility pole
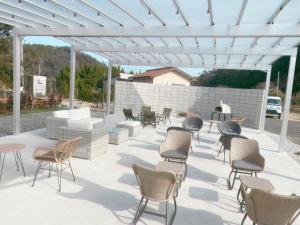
[278,82]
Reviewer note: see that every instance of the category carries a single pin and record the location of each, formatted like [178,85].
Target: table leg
[16,160]
[2,165]
[21,162]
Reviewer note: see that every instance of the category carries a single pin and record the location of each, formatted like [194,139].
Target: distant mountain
[51,60]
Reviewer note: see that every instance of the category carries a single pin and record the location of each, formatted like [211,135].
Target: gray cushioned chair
[177,145]
[244,158]
[193,124]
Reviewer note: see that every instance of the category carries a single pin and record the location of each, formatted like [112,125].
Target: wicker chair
[177,146]
[60,155]
[193,124]
[244,158]
[128,114]
[268,208]
[226,143]
[157,186]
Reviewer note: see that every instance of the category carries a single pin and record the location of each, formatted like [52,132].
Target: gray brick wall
[203,100]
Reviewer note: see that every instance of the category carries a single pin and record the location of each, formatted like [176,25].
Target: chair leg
[59,172]
[185,170]
[50,169]
[71,170]
[175,211]
[224,156]
[244,218]
[19,159]
[137,211]
[167,207]
[16,160]
[220,150]
[3,160]
[230,186]
[36,173]
[209,127]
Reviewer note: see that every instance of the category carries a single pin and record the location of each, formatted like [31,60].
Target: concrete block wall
[203,100]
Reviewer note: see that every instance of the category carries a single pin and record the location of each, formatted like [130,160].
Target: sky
[56,42]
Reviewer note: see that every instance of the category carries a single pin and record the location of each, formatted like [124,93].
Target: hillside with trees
[53,62]
[254,79]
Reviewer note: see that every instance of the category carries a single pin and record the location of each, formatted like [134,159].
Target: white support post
[72,78]
[287,103]
[108,87]
[264,103]
[16,83]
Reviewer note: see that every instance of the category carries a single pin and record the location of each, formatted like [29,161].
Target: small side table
[118,135]
[177,168]
[15,149]
[252,183]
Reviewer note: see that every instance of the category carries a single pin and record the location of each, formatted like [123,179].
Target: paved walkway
[106,192]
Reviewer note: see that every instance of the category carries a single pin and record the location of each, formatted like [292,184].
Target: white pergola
[231,34]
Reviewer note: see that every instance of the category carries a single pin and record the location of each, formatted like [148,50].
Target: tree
[5,30]
[88,82]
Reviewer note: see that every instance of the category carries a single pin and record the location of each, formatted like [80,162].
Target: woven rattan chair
[268,208]
[157,186]
[59,155]
[193,124]
[128,114]
[177,145]
[244,158]
[225,141]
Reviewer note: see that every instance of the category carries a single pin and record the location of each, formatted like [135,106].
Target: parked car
[274,108]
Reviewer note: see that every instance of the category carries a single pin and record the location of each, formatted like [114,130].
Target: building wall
[171,78]
[203,100]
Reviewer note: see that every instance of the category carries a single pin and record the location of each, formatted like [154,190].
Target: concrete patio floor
[106,191]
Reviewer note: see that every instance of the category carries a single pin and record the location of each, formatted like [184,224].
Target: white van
[274,107]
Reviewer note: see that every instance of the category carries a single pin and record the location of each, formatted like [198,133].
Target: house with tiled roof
[166,75]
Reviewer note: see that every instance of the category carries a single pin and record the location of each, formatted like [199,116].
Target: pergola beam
[210,12]
[151,11]
[183,63]
[279,51]
[72,78]
[35,5]
[100,12]
[241,14]
[16,83]
[13,22]
[109,74]
[31,12]
[126,12]
[220,31]
[180,12]
[287,104]
[75,12]
[277,11]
